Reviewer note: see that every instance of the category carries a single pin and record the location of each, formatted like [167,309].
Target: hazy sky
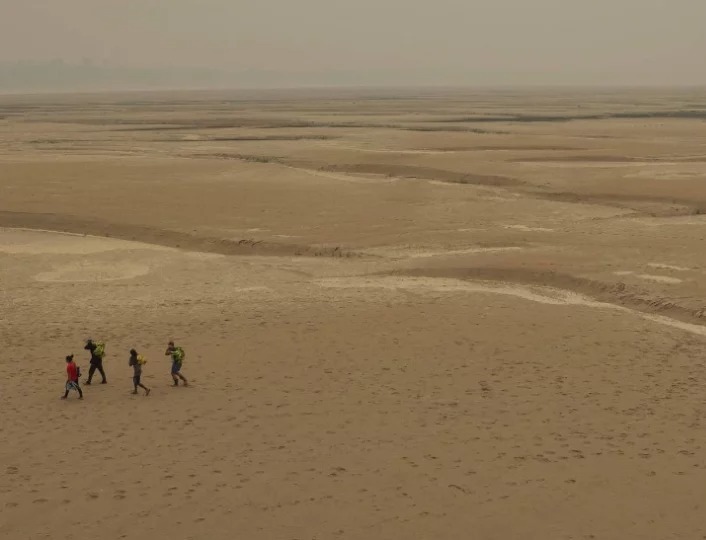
[516,41]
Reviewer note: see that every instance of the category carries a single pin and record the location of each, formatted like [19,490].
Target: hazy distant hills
[59,76]
[87,76]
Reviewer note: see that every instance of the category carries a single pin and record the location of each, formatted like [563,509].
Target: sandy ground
[407,315]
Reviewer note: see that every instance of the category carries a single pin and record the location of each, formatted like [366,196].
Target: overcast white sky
[516,41]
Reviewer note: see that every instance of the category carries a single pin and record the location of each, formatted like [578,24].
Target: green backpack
[100,350]
[178,355]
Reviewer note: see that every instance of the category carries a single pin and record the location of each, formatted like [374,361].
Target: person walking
[177,354]
[73,372]
[136,362]
[97,353]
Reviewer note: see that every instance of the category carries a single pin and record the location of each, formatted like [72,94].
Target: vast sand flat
[409,314]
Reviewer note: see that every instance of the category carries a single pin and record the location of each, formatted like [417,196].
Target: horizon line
[363,87]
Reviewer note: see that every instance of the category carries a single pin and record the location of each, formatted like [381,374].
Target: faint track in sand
[165,237]
[542,294]
[423,173]
[617,294]
[640,204]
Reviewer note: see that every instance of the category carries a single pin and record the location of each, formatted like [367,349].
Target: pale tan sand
[396,325]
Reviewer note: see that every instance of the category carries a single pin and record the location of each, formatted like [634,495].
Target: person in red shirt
[72,375]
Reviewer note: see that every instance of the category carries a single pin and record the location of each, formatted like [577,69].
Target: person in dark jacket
[97,352]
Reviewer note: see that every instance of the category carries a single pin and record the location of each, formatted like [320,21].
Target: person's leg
[66,393]
[100,370]
[80,393]
[147,390]
[175,372]
[186,383]
[91,371]
[135,383]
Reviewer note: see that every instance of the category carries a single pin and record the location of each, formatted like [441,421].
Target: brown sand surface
[416,314]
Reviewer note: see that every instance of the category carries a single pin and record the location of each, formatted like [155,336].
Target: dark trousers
[93,369]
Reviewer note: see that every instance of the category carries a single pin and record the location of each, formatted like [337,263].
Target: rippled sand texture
[434,314]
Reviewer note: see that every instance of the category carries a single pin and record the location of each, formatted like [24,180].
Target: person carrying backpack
[136,362]
[73,372]
[177,354]
[97,353]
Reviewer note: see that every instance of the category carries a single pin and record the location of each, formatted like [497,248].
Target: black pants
[73,386]
[93,369]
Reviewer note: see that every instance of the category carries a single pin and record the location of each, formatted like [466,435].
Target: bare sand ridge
[409,314]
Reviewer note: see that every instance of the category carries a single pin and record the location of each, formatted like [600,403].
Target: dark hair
[133,352]
[70,358]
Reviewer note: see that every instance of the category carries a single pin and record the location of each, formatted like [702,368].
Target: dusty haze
[367,42]
[423,315]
